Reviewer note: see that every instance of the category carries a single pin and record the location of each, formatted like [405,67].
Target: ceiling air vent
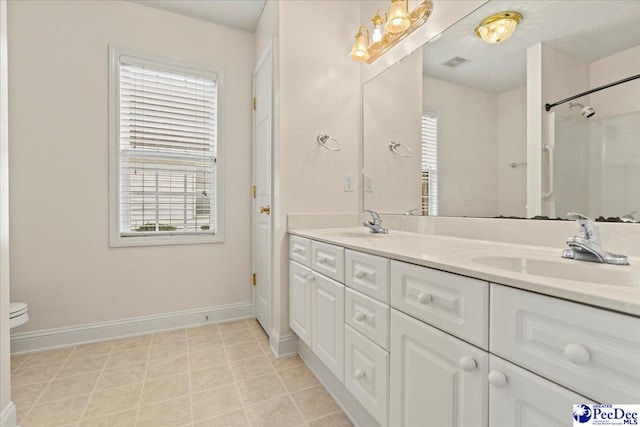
[454,62]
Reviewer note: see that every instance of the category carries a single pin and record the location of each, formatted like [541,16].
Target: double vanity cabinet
[416,346]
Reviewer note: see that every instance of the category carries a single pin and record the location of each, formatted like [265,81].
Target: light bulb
[376,35]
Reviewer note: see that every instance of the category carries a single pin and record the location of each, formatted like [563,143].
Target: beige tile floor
[217,375]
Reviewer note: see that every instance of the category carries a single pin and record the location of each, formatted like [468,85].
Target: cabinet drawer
[368,274]
[367,316]
[367,374]
[328,260]
[456,304]
[589,350]
[526,399]
[300,250]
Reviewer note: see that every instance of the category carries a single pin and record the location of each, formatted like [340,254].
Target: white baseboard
[8,417]
[357,413]
[286,345]
[61,337]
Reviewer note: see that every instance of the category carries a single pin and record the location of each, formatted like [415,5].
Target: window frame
[432,207]
[137,57]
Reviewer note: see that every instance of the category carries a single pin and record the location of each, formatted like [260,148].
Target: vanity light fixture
[398,24]
[499,27]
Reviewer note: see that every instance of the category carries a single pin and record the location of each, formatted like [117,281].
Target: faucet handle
[588,227]
[374,216]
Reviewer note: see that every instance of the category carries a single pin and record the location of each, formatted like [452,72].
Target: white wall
[621,99]
[467,147]
[392,110]
[512,148]
[319,92]
[61,263]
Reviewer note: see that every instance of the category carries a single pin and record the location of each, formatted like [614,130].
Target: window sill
[120,242]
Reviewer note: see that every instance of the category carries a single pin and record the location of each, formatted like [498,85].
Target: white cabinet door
[327,323]
[300,300]
[435,379]
[520,398]
[367,374]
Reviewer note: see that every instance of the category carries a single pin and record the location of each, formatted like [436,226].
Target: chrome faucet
[375,225]
[587,246]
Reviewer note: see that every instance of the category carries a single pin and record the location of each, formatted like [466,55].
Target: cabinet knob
[468,364]
[298,250]
[424,298]
[497,379]
[360,316]
[576,354]
[358,374]
[359,274]
[308,276]
[324,260]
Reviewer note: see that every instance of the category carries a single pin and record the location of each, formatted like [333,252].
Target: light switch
[368,183]
[348,183]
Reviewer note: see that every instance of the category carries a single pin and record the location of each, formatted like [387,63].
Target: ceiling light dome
[499,27]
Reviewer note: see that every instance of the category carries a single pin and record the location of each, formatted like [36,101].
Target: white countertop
[460,256]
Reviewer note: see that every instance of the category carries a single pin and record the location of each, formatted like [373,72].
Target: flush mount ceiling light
[398,24]
[499,27]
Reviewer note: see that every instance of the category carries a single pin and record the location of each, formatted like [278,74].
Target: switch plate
[348,183]
[368,183]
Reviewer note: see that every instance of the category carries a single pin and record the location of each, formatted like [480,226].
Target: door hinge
[253,191]
[254,102]
[254,280]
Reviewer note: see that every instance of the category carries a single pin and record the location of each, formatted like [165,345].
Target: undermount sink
[561,269]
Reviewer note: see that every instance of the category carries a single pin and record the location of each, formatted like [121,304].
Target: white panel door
[520,398]
[300,278]
[435,379]
[366,373]
[327,323]
[261,211]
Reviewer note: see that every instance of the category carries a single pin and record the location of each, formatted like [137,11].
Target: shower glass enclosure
[596,165]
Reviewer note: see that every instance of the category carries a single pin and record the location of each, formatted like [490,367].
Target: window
[165,143]
[429,202]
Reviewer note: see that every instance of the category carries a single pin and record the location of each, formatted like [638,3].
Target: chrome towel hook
[394,146]
[322,140]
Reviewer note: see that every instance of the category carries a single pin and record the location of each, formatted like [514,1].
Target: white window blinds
[167,151]
[429,164]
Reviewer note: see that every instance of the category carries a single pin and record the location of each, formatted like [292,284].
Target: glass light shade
[498,28]
[398,19]
[360,51]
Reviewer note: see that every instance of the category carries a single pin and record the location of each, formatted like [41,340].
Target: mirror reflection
[459,128]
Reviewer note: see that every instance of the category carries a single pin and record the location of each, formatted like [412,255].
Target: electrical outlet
[368,183]
[348,183]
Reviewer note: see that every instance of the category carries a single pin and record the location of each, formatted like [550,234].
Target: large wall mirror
[458,128]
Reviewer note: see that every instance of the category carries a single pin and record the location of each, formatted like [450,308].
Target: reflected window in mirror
[429,201]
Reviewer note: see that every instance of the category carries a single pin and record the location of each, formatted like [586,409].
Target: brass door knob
[265,209]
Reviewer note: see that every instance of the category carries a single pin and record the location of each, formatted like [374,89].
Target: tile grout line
[235,381]
[48,382]
[288,393]
[144,380]
[86,406]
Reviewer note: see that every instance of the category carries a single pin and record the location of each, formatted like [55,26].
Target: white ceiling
[589,30]
[240,14]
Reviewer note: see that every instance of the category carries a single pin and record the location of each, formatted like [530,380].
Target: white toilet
[18,314]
